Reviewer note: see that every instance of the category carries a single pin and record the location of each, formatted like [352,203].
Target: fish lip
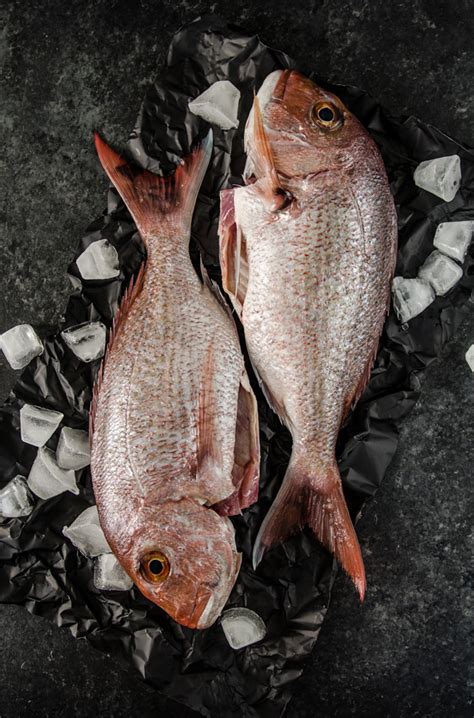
[216,601]
[280,87]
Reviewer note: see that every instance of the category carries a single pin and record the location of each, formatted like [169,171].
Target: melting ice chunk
[242,627]
[411,297]
[47,479]
[218,105]
[20,344]
[86,341]
[73,450]
[37,425]
[99,261]
[453,238]
[441,176]
[85,533]
[470,357]
[16,499]
[109,575]
[441,272]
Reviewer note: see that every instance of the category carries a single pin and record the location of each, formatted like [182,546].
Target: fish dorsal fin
[233,252]
[131,293]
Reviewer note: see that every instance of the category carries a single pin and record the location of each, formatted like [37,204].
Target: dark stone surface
[70,67]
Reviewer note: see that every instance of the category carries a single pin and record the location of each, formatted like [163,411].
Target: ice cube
[441,176]
[86,341]
[47,479]
[470,357]
[73,450]
[441,272]
[218,105]
[37,425]
[411,297]
[85,533]
[20,344]
[109,575]
[453,238]
[15,498]
[99,261]
[242,627]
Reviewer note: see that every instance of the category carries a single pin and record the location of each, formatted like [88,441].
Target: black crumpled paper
[290,590]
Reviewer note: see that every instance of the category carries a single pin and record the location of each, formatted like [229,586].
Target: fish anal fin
[134,288]
[233,253]
[306,498]
[246,471]
[151,199]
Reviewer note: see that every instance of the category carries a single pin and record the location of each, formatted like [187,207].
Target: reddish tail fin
[150,197]
[298,503]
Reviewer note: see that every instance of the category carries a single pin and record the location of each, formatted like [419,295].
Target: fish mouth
[280,86]
[209,611]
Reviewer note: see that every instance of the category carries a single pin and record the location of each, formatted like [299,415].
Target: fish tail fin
[304,499]
[149,197]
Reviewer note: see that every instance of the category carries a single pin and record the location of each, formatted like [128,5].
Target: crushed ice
[20,345]
[441,176]
[37,424]
[242,627]
[86,341]
[85,533]
[46,479]
[219,105]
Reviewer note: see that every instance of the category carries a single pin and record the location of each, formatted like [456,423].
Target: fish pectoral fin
[246,471]
[208,454]
[316,501]
[233,253]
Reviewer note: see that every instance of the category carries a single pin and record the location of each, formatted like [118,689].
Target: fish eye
[154,566]
[326,115]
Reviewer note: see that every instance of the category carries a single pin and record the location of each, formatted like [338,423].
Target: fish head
[309,129]
[182,556]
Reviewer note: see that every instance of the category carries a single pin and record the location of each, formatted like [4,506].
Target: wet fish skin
[308,250]
[171,411]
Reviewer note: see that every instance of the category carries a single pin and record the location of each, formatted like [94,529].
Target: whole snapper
[174,427]
[308,251]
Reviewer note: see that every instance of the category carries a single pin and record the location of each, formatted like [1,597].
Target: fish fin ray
[246,470]
[132,291]
[208,452]
[300,502]
[233,253]
[149,197]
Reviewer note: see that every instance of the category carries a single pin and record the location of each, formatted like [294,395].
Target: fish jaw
[216,602]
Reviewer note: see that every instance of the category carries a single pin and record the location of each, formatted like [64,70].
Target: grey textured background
[69,67]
